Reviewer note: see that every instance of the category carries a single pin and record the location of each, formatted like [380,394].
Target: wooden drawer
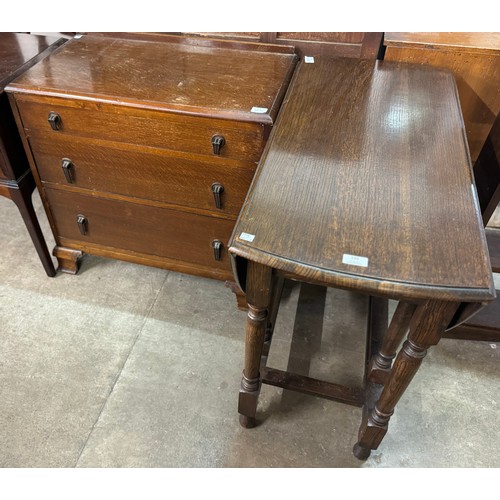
[152,174]
[167,130]
[144,229]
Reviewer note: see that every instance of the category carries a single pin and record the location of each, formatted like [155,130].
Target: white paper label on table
[256,109]
[354,260]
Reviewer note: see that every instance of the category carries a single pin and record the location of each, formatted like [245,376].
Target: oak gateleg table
[365,185]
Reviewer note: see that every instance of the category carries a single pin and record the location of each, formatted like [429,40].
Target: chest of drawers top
[203,80]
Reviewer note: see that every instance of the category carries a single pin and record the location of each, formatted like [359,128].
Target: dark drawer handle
[217,246]
[217,190]
[81,220]
[67,168]
[218,142]
[55,120]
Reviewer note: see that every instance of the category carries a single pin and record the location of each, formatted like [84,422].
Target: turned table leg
[380,364]
[258,292]
[427,324]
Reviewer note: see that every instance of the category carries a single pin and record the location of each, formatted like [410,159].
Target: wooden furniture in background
[346,44]
[144,151]
[354,191]
[18,52]
[474,59]
[487,173]
[486,324]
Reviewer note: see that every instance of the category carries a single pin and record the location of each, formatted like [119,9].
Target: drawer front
[148,230]
[160,175]
[176,132]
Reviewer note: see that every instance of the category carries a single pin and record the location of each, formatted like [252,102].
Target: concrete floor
[130,366]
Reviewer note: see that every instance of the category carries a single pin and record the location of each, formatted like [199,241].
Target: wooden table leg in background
[426,327]
[258,291]
[21,194]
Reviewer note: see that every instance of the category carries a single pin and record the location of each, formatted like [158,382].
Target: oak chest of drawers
[144,151]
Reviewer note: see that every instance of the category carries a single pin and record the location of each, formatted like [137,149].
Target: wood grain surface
[16,49]
[150,175]
[155,231]
[487,42]
[346,37]
[181,77]
[369,159]
[150,128]
[339,44]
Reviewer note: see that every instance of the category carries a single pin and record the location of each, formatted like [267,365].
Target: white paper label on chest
[308,59]
[355,260]
[256,109]
[247,237]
